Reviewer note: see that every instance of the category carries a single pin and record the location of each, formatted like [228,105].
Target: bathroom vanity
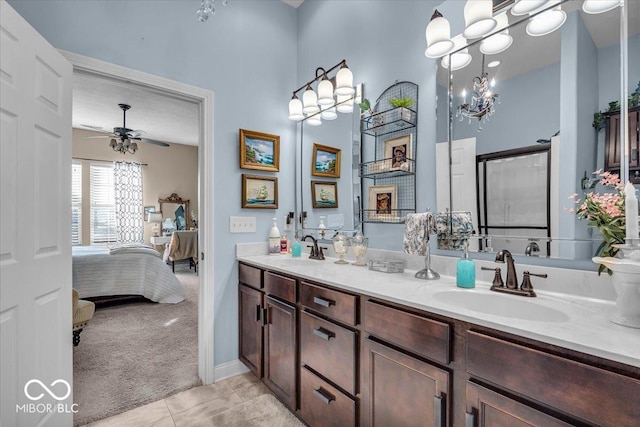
[345,346]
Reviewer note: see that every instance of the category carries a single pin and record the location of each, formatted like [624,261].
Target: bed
[100,271]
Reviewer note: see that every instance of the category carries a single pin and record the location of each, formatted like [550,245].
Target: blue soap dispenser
[466,270]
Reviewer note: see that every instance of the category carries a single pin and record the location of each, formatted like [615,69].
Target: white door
[35,228]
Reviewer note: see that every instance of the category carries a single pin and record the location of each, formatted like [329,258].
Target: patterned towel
[417,228]
[453,229]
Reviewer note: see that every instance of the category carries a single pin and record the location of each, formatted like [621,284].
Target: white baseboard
[229,369]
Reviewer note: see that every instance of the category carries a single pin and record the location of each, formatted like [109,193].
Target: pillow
[138,249]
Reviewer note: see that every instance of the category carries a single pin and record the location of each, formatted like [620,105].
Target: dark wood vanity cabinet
[612,144]
[336,358]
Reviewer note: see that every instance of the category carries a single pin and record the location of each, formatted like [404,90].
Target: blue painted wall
[246,54]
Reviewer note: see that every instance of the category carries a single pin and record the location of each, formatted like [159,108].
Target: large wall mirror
[513,166]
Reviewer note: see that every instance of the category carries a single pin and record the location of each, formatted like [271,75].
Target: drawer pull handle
[323,395]
[439,415]
[469,419]
[265,316]
[324,334]
[258,310]
[323,302]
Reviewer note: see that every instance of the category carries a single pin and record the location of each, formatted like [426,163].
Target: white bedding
[97,272]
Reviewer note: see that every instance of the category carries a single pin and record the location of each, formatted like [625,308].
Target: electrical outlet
[335,221]
[242,224]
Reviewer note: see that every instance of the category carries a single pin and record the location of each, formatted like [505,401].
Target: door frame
[205,99]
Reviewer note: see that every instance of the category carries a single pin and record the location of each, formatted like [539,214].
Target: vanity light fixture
[316,107]
[522,7]
[438,35]
[478,18]
[498,42]
[208,8]
[546,22]
[459,59]
[599,6]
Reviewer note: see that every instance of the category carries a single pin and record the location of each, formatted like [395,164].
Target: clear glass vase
[359,245]
[340,246]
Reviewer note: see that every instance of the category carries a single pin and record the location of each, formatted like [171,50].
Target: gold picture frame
[324,194]
[325,161]
[383,202]
[259,192]
[259,151]
[399,152]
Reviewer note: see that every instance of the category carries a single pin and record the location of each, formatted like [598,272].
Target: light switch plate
[242,224]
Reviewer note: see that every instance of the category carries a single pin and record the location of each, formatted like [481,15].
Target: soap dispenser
[466,270]
[274,238]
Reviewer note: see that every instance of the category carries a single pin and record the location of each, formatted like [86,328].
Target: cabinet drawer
[280,286]
[322,405]
[334,304]
[586,392]
[251,276]
[329,349]
[422,336]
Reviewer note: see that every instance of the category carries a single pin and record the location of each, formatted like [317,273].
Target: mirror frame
[177,200]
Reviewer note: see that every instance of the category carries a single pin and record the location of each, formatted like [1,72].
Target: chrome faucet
[532,249]
[512,277]
[316,252]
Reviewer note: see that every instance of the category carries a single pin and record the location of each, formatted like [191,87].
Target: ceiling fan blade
[155,142]
[135,133]
[99,137]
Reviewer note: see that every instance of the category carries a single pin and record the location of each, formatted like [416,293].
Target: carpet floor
[135,353]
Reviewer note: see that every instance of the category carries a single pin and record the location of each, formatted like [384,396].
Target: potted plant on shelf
[373,120]
[404,103]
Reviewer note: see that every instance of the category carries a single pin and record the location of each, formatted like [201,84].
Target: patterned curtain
[127,179]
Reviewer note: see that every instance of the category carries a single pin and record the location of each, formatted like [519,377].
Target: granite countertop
[565,320]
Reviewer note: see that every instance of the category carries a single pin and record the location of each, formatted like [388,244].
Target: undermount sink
[495,304]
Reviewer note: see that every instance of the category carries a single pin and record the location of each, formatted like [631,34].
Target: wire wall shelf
[388,121]
[387,168]
[389,216]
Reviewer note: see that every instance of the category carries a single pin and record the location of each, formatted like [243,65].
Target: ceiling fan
[123,139]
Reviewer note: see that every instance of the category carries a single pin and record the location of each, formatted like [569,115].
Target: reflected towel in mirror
[453,229]
[417,228]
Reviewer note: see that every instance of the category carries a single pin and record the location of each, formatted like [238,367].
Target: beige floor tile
[204,411]
[146,415]
[195,396]
[249,391]
[240,380]
[263,411]
[165,422]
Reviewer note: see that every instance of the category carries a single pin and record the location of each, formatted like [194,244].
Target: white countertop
[578,323]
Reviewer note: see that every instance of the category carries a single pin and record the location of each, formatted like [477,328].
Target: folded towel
[453,229]
[417,228]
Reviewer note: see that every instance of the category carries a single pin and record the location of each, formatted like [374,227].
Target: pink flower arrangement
[604,212]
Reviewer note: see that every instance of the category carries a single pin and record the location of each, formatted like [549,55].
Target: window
[103,213]
[76,203]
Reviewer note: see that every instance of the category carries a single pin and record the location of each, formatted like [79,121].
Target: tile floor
[199,406]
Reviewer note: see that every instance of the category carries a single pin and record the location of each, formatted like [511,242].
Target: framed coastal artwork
[324,194]
[399,150]
[259,192]
[325,161]
[259,151]
[383,201]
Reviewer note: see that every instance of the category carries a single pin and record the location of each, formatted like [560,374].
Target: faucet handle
[313,250]
[526,283]
[497,278]
[320,252]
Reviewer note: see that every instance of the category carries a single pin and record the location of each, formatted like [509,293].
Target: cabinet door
[401,390]
[280,367]
[250,317]
[486,408]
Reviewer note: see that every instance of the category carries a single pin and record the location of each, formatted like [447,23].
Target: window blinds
[76,203]
[103,216]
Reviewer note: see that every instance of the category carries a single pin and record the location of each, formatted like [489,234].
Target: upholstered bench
[82,312]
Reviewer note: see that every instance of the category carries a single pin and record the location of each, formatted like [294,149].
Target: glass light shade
[493,64]
[314,120]
[310,102]
[461,58]
[134,146]
[345,104]
[126,143]
[295,110]
[329,114]
[522,7]
[478,18]
[438,36]
[599,6]
[546,22]
[113,143]
[496,43]
[155,217]
[325,93]
[344,82]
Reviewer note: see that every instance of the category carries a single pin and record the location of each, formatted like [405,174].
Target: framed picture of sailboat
[259,151]
[324,194]
[259,192]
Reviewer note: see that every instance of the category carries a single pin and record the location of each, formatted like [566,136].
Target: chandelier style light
[208,8]
[328,101]
[483,100]
[123,145]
